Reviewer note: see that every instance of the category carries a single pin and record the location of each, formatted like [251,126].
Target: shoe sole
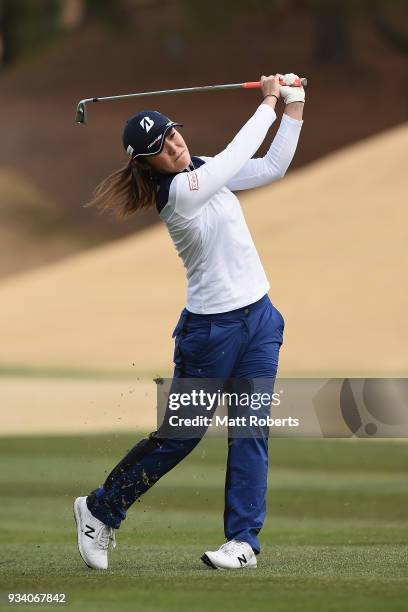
[78,522]
[207,561]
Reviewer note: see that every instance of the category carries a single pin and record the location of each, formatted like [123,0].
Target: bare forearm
[294,110]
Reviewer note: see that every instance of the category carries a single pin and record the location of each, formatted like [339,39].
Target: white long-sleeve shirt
[205,219]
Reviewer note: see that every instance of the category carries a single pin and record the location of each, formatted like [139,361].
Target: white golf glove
[291,94]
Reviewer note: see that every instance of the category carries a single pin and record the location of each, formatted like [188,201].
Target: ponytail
[126,190]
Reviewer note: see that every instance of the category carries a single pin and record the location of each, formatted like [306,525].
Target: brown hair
[126,190]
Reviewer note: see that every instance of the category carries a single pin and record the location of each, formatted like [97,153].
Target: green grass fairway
[336,536]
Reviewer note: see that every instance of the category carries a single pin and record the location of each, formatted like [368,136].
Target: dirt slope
[29,218]
[332,238]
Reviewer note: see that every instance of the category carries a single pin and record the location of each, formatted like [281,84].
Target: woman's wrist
[271,95]
[295,110]
[270,100]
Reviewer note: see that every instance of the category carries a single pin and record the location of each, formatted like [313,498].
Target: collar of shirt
[159,176]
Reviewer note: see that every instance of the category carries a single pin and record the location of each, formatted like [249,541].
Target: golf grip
[257,84]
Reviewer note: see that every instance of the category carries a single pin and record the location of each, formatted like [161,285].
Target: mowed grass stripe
[71,471]
[148,525]
[302,491]
[389,456]
[385,561]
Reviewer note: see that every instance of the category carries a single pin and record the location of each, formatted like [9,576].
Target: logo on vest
[147,124]
[192,180]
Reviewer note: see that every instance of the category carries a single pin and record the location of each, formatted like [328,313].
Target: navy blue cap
[145,133]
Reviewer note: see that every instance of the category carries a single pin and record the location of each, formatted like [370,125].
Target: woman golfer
[229,328]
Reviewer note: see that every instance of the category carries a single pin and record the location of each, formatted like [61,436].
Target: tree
[393,25]
[72,13]
[332,33]
[9,15]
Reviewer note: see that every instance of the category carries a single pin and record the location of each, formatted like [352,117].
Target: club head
[80,116]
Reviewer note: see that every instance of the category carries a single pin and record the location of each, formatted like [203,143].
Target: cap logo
[147,124]
[154,141]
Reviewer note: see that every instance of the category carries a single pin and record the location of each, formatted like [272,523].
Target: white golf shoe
[93,536]
[231,555]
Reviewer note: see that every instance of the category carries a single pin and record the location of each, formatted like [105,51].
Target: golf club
[81,115]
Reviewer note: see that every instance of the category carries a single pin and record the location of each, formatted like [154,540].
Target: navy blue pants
[240,344]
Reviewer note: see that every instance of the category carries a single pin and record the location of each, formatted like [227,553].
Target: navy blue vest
[163,182]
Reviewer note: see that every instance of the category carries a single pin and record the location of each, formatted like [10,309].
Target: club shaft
[250,85]
[165,91]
